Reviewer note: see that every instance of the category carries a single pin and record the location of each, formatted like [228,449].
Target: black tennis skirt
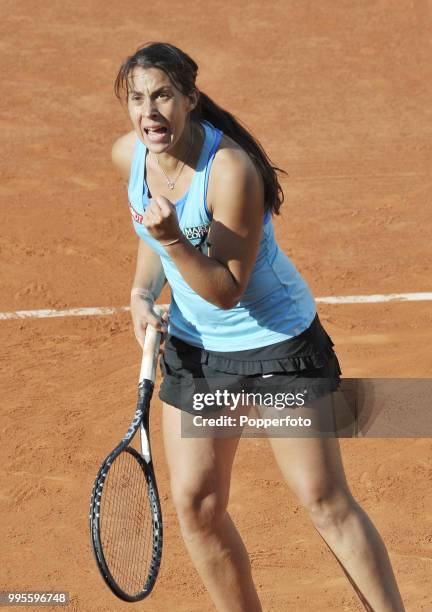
[305,364]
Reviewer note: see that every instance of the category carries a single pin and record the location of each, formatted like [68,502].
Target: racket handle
[151,349]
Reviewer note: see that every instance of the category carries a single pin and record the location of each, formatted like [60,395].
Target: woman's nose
[149,108]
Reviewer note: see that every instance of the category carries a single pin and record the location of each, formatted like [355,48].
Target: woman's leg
[312,467]
[200,474]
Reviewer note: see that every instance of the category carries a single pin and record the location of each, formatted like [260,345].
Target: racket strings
[126,527]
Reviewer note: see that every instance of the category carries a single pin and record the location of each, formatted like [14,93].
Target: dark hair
[182,70]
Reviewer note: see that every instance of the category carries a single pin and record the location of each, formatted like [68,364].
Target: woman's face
[158,110]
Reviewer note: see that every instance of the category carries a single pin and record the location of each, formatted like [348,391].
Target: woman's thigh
[199,466]
[312,466]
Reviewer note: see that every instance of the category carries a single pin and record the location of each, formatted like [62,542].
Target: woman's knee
[328,507]
[198,509]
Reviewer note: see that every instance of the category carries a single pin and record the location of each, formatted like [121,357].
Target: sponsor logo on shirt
[135,215]
[194,233]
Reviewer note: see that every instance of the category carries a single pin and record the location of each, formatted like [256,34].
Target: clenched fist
[160,219]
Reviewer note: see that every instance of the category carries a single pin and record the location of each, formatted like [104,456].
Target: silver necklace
[171,183]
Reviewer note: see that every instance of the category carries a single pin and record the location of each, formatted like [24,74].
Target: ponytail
[229,125]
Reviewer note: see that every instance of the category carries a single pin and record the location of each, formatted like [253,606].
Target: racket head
[126,525]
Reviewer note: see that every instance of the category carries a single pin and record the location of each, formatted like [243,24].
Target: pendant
[171,185]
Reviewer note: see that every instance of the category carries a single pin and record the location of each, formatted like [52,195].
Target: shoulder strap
[136,175]
[214,137]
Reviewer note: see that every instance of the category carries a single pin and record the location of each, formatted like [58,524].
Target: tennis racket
[125,513]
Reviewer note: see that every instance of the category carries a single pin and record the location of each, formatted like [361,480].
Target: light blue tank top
[277,303]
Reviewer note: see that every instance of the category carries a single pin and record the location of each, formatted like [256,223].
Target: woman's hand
[237,205]
[160,219]
[143,314]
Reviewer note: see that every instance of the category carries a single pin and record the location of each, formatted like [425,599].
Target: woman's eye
[163,95]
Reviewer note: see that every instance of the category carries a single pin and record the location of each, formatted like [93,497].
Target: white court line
[371,299]
[339,299]
[71,312]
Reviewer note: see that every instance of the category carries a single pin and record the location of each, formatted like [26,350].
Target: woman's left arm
[238,210]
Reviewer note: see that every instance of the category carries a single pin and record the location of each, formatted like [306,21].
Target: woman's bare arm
[234,236]
[122,153]
[149,274]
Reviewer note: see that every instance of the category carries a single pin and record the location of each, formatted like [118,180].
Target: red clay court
[339,94]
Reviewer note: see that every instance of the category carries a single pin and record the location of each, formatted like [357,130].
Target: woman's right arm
[149,276]
[146,287]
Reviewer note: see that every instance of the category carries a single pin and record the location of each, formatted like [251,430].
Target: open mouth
[156,134]
[159,130]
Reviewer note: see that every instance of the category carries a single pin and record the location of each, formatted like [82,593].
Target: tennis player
[202,194]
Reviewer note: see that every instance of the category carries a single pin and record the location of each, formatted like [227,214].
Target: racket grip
[151,349]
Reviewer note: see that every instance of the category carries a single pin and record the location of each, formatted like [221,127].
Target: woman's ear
[193,99]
